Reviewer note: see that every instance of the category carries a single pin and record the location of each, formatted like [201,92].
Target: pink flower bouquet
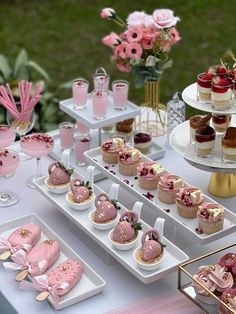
[144,45]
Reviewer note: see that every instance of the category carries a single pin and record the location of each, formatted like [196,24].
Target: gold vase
[153,115]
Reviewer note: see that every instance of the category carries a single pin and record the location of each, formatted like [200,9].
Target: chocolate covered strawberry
[58,173]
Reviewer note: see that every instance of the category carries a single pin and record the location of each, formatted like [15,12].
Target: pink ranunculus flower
[140,19]
[164,18]
[111,40]
[120,51]
[124,67]
[134,51]
[174,35]
[107,13]
[147,43]
[134,34]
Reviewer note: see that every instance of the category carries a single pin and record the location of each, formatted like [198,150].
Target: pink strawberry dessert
[22,238]
[37,261]
[59,177]
[81,194]
[149,173]
[204,86]
[221,92]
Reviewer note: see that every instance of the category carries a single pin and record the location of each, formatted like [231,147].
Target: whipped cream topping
[113,145]
[150,169]
[189,196]
[170,182]
[129,155]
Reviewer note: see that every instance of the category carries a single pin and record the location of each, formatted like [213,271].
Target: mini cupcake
[129,160]
[188,200]
[149,173]
[124,235]
[151,254]
[210,217]
[229,298]
[168,186]
[58,180]
[110,150]
[105,216]
[81,195]
[215,279]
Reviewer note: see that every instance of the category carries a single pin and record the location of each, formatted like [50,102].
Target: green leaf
[35,66]
[50,111]
[5,68]
[137,226]
[23,74]
[21,60]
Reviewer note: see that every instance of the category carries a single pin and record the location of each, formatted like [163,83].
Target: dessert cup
[221,122]
[229,145]
[205,141]
[80,92]
[197,122]
[142,141]
[221,93]
[66,134]
[120,94]
[204,87]
[7,136]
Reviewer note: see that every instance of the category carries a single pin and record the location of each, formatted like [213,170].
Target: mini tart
[148,266]
[110,150]
[122,246]
[57,189]
[105,225]
[168,186]
[210,217]
[79,206]
[188,200]
[229,144]
[128,161]
[149,175]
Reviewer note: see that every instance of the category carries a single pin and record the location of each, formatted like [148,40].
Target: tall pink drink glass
[82,128]
[82,144]
[100,104]
[120,94]
[66,132]
[80,92]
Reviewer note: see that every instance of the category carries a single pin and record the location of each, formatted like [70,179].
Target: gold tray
[188,269]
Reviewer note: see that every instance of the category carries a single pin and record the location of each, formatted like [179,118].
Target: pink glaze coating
[124,230]
[113,145]
[105,210]
[125,156]
[26,234]
[69,271]
[150,170]
[208,213]
[184,196]
[167,182]
[150,248]
[80,192]
[57,176]
[229,298]
[48,251]
[37,144]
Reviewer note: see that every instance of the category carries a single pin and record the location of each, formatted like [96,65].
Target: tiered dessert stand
[223,180]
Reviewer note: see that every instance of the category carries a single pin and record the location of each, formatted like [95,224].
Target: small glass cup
[142,140]
[196,123]
[82,128]
[82,144]
[66,133]
[221,122]
[221,96]
[80,92]
[229,145]
[100,104]
[120,94]
[203,89]
[7,135]
[101,80]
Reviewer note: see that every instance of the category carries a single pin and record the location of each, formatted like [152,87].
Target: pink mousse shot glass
[120,94]
[100,104]
[80,92]
[7,135]
[82,129]
[82,144]
[66,133]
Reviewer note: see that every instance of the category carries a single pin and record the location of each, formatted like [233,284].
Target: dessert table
[121,287]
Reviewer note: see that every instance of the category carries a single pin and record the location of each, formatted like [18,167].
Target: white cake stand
[223,180]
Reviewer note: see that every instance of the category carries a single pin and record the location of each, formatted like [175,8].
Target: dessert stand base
[8,198]
[222,184]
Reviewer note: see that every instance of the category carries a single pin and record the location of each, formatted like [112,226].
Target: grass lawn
[65,36]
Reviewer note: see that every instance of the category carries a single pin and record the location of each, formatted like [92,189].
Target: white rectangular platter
[174,256]
[86,117]
[95,158]
[90,283]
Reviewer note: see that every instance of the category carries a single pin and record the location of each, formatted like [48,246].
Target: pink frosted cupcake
[229,298]
[110,150]
[210,217]
[188,200]
[168,186]
[149,173]
[215,279]
[129,160]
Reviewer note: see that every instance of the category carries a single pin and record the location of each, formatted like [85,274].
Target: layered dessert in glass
[229,145]
[142,141]
[221,93]
[204,87]
[197,122]
[205,141]
[221,122]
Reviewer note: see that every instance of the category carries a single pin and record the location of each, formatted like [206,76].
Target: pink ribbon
[20,262]
[40,283]
[6,245]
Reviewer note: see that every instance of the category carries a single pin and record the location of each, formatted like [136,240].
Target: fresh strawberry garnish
[222,81]
[207,76]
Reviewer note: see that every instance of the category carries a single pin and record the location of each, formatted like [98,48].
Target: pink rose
[124,67]
[107,13]
[120,51]
[147,43]
[164,18]
[134,34]
[134,51]
[174,35]
[140,19]
[111,40]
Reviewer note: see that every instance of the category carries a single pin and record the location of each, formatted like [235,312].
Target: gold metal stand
[153,115]
[222,184]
